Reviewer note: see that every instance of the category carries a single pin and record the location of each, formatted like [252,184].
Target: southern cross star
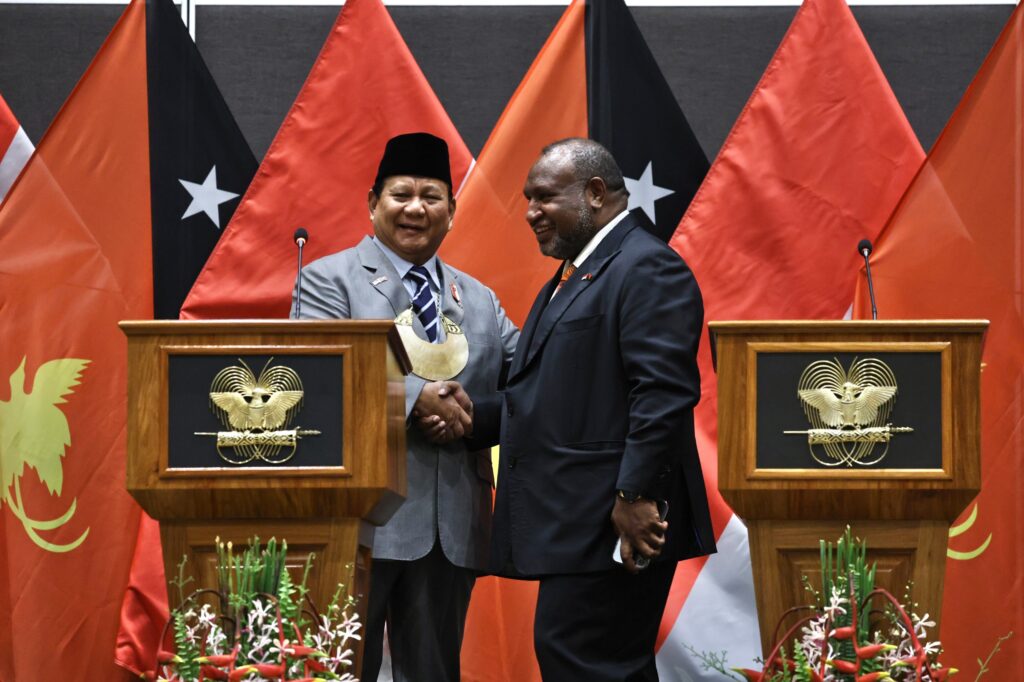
[206,198]
[643,192]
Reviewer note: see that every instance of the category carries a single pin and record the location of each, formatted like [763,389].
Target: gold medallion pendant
[434,361]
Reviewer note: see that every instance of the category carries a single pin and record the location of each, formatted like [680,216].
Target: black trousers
[424,604]
[595,627]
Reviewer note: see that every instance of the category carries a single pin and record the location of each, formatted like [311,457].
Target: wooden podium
[320,496]
[790,466]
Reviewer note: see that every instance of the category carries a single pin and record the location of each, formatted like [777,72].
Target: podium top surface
[790,326]
[137,327]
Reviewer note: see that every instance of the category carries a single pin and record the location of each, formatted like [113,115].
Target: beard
[567,246]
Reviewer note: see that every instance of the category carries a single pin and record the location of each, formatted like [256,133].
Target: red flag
[489,238]
[64,510]
[364,88]
[815,162]
[954,248]
[15,148]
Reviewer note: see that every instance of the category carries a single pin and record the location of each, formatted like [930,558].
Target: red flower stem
[770,661]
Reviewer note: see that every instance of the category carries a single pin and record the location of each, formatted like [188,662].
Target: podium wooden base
[782,552]
[341,545]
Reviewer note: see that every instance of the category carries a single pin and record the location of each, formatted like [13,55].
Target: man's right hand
[444,412]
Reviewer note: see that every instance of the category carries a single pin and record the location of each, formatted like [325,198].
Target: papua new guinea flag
[200,164]
[81,237]
[364,88]
[594,77]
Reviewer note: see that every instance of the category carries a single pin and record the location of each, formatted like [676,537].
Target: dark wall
[475,57]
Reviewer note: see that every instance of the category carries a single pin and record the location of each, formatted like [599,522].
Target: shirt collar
[403,266]
[597,238]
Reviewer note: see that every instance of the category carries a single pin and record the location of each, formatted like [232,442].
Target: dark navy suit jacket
[600,397]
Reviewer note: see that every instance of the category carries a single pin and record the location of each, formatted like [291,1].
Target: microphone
[301,236]
[864,249]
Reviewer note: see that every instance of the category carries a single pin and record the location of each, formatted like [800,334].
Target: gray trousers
[424,604]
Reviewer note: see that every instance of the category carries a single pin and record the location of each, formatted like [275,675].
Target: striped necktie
[567,271]
[423,303]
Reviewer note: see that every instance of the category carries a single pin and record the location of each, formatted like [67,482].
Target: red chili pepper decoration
[238,674]
[872,650]
[843,666]
[270,670]
[211,673]
[167,657]
[219,660]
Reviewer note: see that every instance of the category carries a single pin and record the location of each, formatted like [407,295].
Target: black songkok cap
[415,154]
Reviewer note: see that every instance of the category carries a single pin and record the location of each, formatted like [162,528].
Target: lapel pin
[379,280]
[455,294]
[587,277]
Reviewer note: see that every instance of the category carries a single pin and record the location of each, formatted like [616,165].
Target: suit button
[509,411]
[511,462]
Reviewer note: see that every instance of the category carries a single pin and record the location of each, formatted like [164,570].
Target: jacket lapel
[382,275]
[450,283]
[526,336]
[554,311]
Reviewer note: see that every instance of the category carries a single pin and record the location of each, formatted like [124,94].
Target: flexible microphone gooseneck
[864,249]
[300,237]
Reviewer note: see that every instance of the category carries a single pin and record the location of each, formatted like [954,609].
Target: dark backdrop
[475,56]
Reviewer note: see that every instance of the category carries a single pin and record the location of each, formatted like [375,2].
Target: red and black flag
[200,164]
[321,164]
[595,77]
[631,110]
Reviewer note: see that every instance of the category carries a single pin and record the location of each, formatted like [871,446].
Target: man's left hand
[641,530]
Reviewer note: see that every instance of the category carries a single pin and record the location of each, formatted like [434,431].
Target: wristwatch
[628,496]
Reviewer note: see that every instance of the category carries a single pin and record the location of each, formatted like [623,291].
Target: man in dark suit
[596,426]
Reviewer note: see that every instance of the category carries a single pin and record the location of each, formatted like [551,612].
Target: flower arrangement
[257,625]
[856,632]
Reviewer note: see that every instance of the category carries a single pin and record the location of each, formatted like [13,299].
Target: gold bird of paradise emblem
[34,432]
[257,412]
[849,410]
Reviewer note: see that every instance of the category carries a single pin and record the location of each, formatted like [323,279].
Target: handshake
[444,412]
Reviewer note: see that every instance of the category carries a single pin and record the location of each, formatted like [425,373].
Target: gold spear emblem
[848,410]
[256,409]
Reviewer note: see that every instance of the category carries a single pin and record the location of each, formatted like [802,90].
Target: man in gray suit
[426,558]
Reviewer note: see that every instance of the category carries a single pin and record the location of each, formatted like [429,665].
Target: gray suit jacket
[449,488]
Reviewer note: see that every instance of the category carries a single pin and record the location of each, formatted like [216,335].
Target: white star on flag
[206,198]
[643,192]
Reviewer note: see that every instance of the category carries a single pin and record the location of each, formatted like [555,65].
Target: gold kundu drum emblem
[258,413]
[848,410]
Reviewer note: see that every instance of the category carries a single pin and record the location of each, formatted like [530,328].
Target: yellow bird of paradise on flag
[34,432]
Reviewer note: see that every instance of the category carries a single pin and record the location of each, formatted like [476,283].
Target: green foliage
[802,671]
[188,666]
[181,580]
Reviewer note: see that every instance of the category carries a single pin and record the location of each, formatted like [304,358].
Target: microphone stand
[300,241]
[871,286]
